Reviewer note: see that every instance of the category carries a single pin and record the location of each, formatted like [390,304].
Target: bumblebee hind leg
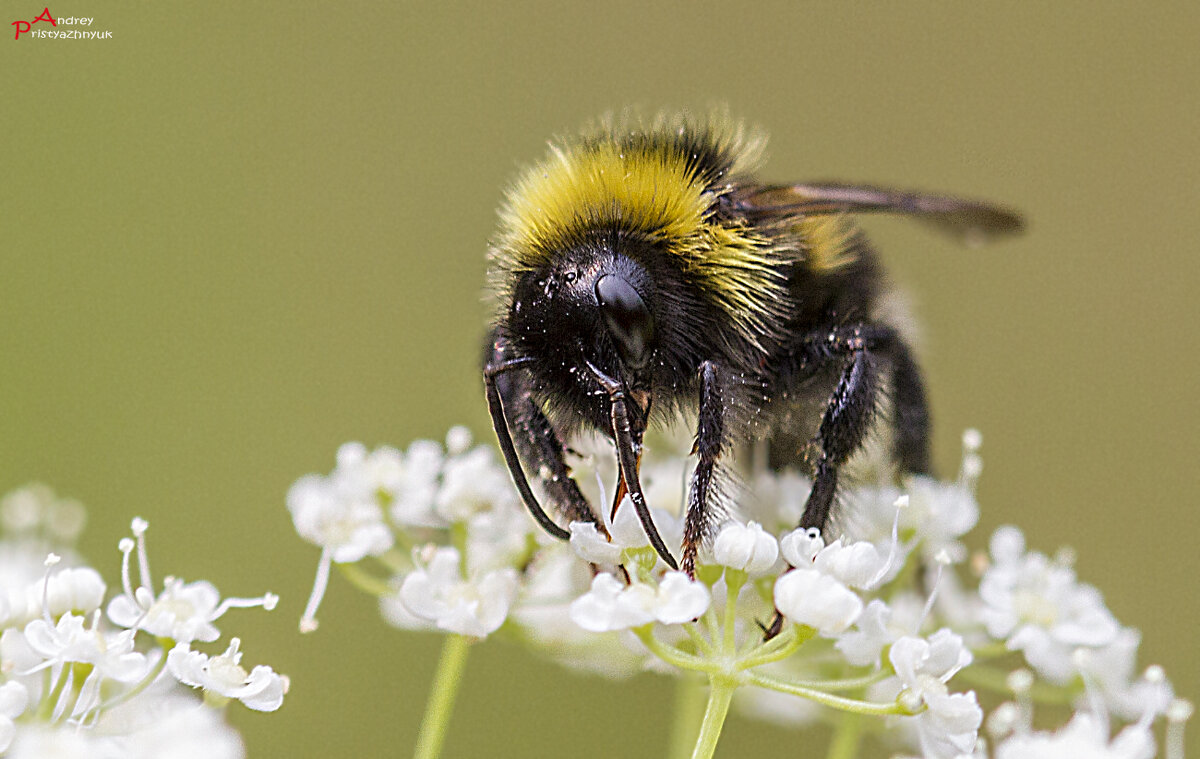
[910,410]
[843,428]
[867,350]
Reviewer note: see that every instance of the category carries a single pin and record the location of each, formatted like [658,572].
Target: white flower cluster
[78,680]
[889,616]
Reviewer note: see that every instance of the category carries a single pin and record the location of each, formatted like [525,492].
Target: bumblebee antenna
[500,422]
[627,458]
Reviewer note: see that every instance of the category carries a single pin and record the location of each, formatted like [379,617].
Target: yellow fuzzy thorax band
[661,186]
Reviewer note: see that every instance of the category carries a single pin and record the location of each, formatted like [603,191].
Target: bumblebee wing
[970,220]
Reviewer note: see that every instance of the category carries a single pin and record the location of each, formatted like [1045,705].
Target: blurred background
[237,235]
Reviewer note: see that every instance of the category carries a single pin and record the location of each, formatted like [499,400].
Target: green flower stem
[711,624]
[79,675]
[734,580]
[848,683]
[446,681]
[719,695]
[990,650]
[779,647]
[396,560]
[995,680]
[47,706]
[698,640]
[670,654]
[689,715]
[837,702]
[364,580]
[846,737]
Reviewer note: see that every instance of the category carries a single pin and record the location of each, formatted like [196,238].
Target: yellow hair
[651,184]
[827,242]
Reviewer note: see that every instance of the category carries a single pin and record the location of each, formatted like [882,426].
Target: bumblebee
[642,271]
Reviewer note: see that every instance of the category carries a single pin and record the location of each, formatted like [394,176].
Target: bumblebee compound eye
[628,319]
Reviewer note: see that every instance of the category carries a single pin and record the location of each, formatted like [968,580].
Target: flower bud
[746,547]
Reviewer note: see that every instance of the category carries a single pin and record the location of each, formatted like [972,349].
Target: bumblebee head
[592,304]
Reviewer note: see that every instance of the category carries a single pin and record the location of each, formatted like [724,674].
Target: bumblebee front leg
[710,440]
[514,409]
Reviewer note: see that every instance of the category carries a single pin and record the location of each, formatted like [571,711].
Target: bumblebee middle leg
[710,440]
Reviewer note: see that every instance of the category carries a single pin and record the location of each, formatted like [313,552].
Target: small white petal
[264,689]
[458,440]
[626,528]
[800,547]
[856,564]
[950,727]
[590,545]
[14,698]
[680,599]
[862,647]
[1007,544]
[809,597]
[609,605]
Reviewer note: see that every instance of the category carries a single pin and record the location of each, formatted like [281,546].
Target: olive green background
[236,235]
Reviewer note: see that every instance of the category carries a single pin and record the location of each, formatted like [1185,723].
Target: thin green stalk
[441,697]
[983,676]
[166,644]
[992,650]
[79,677]
[780,647]
[396,560]
[670,654]
[846,737]
[698,640]
[847,683]
[364,580]
[689,715]
[734,579]
[719,695]
[837,702]
[49,701]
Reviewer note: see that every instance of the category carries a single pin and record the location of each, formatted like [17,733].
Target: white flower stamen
[139,527]
[51,560]
[308,621]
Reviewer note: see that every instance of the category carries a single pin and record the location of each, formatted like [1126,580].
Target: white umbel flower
[625,535]
[1086,736]
[612,605]
[859,564]
[72,640]
[472,482]
[222,676]
[592,546]
[879,626]
[349,525]
[75,589]
[1039,608]
[437,593]
[948,727]
[183,612]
